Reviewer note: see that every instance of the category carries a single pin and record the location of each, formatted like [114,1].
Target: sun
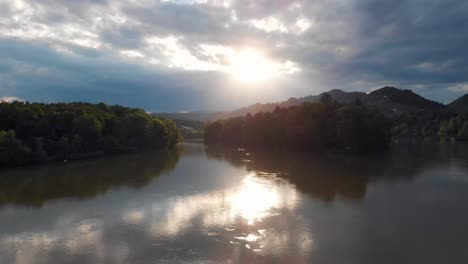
[250,66]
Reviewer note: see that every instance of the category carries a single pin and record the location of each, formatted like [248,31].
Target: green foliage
[36,132]
[310,126]
[68,144]
[158,133]
[88,127]
[12,150]
[454,128]
[174,135]
[463,133]
[110,144]
[132,129]
[443,130]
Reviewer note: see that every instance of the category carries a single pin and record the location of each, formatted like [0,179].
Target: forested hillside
[460,105]
[310,127]
[412,115]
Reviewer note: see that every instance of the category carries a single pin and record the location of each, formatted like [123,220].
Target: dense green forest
[326,125]
[37,132]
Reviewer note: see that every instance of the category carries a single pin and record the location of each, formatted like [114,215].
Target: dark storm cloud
[40,74]
[413,42]
[120,51]
[417,39]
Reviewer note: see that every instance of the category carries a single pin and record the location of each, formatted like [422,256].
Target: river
[207,204]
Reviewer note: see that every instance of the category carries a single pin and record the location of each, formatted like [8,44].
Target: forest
[326,125]
[38,132]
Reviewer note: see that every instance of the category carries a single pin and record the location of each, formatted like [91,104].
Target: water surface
[199,204]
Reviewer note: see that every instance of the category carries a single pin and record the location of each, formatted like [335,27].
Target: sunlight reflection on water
[239,214]
[236,211]
[256,198]
[214,210]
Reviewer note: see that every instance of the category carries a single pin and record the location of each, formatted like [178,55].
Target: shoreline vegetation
[330,125]
[35,133]
[337,121]
[412,116]
[313,127]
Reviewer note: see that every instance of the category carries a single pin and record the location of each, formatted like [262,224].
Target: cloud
[149,53]
[461,87]
[9,99]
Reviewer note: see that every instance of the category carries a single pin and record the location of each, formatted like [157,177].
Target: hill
[412,115]
[390,100]
[459,106]
[395,101]
[195,115]
[311,127]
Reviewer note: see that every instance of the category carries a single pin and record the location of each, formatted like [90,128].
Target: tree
[443,130]
[174,135]
[132,129]
[463,133]
[88,127]
[158,133]
[12,150]
[452,127]
[326,99]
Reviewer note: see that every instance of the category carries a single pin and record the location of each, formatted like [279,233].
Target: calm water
[202,204]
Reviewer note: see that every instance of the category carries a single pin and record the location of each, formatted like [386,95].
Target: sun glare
[253,200]
[249,66]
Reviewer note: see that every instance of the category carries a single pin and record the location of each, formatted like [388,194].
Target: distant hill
[338,95]
[390,100]
[196,115]
[459,106]
[190,129]
[394,101]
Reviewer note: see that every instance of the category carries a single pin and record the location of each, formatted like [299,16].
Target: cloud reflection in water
[250,215]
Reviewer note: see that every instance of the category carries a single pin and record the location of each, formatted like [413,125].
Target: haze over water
[200,204]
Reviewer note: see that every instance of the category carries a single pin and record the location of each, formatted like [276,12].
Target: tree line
[443,125]
[326,125]
[38,132]
[454,128]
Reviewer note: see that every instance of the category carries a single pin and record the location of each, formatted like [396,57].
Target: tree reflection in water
[33,186]
[332,175]
[222,205]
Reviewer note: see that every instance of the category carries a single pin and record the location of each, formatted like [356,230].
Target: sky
[185,55]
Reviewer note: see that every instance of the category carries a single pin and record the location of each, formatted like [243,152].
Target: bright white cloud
[27,22]
[273,24]
[222,3]
[302,24]
[131,53]
[177,56]
[269,24]
[9,99]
